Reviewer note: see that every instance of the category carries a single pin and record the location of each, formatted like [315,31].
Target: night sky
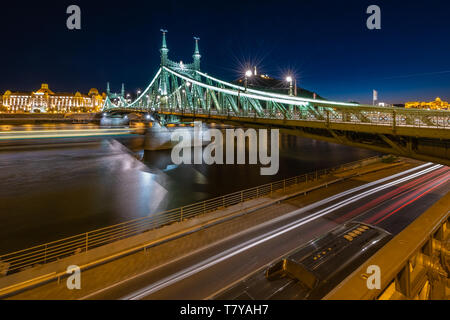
[325,43]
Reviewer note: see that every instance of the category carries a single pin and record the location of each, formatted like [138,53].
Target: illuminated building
[437,104]
[45,100]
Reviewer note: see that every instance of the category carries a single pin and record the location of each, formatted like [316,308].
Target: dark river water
[49,191]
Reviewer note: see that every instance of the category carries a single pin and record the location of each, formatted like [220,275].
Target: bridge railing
[48,252]
[378,116]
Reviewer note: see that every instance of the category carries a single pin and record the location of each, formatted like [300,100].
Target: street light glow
[289,79]
[248,73]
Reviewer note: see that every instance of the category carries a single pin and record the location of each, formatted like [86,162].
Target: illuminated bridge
[269,241]
[182,91]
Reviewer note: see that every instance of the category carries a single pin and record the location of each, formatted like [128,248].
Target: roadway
[390,203]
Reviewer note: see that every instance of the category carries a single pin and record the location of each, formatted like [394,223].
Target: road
[390,203]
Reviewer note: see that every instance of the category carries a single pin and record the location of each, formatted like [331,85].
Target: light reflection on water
[50,193]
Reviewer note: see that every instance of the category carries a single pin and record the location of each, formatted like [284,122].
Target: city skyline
[330,52]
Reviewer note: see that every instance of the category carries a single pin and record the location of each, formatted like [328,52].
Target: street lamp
[289,79]
[248,74]
[138,94]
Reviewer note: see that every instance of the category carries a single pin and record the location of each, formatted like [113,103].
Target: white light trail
[41,134]
[229,253]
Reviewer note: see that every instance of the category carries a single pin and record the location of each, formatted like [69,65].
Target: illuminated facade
[45,100]
[437,104]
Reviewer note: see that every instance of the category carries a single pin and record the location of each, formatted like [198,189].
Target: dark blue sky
[326,43]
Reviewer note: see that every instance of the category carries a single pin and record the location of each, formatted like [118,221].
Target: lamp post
[289,79]
[248,74]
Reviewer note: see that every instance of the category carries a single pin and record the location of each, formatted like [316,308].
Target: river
[51,191]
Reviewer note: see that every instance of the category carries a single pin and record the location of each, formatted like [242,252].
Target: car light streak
[407,200]
[389,196]
[229,253]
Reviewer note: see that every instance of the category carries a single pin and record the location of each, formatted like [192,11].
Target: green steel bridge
[183,91]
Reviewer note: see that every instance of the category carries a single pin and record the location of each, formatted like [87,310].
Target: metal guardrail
[48,252]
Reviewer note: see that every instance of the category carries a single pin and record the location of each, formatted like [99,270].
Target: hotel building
[45,100]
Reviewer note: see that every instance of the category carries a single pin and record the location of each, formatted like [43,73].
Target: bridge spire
[196,55]
[164,50]
[123,90]
[108,90]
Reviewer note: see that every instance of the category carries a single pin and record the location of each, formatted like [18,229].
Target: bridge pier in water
[157,137]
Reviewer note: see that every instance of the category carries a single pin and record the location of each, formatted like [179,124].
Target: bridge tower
[196,55]
[164,82]
[164,50]
[113,95]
